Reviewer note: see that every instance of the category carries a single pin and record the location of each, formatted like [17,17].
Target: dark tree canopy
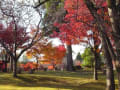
[78,57]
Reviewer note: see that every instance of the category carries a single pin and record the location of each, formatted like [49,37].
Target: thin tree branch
[41,3]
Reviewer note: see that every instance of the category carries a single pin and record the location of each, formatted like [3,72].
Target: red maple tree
[79,20]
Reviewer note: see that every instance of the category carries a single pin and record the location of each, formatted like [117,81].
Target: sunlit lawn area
[52,80]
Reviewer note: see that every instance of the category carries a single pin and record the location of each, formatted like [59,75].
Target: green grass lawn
[52,81]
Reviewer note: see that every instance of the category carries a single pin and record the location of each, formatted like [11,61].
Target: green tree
[88,58]
[54,12]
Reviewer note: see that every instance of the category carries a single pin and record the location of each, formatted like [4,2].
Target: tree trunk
[95,66]
[6,60]
[69,58]
[37,64]
[5,66]
[11,65]
[15,68]
[95,71]
[114,13]
[109,66]
[119,79]
[54,67]
[118,74]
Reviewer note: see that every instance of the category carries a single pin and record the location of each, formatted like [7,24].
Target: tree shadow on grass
[57,83]
[39,79]
[82,74]
[50,82]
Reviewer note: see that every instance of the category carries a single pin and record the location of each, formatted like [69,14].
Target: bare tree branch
[41,3]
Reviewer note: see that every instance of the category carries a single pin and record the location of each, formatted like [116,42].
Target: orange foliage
[51,54]
[54,54]
[28,66]
[37,49]
[50,67]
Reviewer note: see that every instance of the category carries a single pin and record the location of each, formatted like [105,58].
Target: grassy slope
[52,81]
